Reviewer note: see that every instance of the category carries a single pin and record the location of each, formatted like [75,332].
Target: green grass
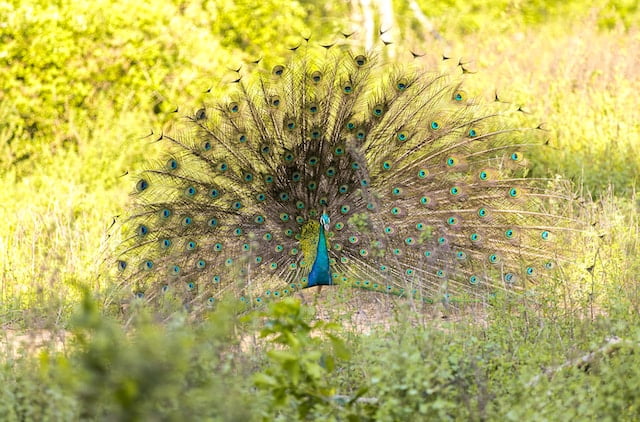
[513,363]
[73,119]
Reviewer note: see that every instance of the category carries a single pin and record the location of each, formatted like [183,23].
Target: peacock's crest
[339,167]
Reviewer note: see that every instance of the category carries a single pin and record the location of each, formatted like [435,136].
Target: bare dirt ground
[16,342]
[359,312]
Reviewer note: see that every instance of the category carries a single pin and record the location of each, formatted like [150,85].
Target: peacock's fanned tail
[423,189]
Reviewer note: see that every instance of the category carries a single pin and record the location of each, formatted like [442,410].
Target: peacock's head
[325,220]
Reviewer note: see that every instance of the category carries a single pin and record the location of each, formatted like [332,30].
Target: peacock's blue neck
[320,274]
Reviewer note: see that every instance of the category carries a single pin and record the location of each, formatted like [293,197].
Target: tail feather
[425,188]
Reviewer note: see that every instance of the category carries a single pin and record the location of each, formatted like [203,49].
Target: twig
[611,346]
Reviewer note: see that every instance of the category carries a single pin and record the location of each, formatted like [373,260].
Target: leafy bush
[523,365]
[298,375]
[153,372]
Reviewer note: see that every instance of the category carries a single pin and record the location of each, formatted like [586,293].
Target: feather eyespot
[316,76]
[360,60]
[278,70]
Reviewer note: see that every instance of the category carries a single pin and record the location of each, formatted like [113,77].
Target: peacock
[338,166]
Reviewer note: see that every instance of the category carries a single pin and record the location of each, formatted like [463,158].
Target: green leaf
[263,380]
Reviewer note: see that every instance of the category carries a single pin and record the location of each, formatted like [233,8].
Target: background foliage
[83,83]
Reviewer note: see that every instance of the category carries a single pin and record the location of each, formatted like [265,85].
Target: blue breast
[320,274]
